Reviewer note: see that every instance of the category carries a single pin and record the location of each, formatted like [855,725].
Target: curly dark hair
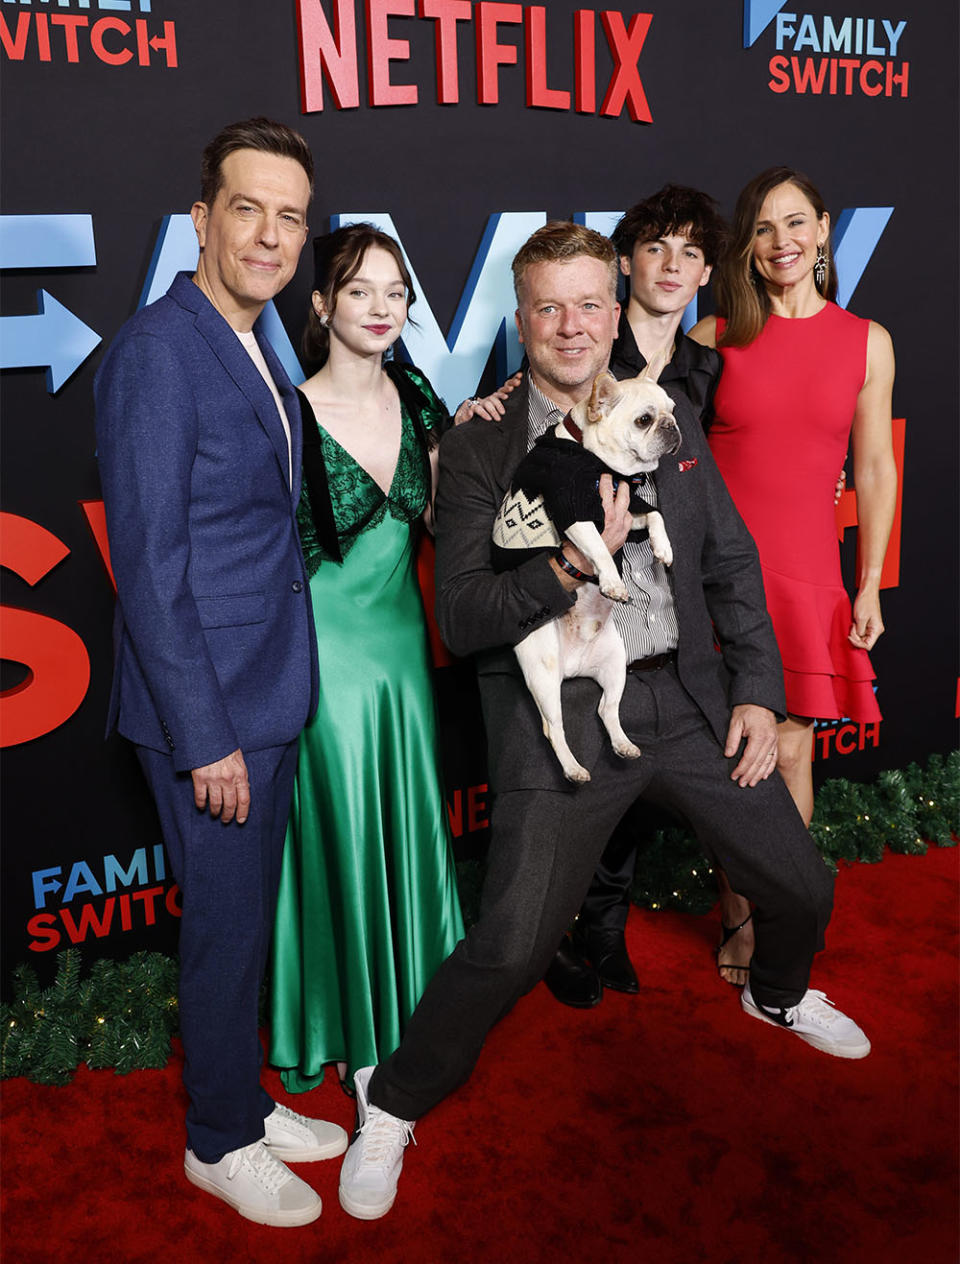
[674,209]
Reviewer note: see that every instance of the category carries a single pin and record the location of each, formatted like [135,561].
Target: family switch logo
[40,31]
[824,55]
[100,897]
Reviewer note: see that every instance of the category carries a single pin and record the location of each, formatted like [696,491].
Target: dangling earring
[324,320]
[820,267]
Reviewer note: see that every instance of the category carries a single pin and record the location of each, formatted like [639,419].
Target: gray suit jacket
[716,582]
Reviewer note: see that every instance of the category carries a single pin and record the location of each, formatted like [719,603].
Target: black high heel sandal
[728,933]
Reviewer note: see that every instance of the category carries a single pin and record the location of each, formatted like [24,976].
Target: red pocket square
[683,466]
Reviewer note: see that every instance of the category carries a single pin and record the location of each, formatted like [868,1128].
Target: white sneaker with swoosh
[816,1020]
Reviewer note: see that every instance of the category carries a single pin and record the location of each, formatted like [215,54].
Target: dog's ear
[656,365]
[605,390]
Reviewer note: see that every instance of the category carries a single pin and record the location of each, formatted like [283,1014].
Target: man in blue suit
[199,444]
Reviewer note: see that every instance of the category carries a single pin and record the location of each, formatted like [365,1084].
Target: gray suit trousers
[544,848]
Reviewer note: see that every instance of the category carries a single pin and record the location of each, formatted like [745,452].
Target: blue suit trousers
[228,876]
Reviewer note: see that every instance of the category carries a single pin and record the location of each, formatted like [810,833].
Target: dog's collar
[636,481]
[572,429]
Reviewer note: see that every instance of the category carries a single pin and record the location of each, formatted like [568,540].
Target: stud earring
[820,267]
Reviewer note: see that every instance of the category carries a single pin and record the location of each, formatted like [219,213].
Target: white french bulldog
[628,425]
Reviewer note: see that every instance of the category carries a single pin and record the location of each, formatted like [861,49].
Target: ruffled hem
[825,675]
[830,697]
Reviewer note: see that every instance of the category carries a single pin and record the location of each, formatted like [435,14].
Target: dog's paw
[579,776]
[616,591]
[664,553]
[627,750]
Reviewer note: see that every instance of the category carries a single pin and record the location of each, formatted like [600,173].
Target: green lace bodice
[359,503]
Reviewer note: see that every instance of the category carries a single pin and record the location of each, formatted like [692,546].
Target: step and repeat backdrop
[460,127]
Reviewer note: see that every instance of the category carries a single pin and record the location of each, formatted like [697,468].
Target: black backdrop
[104,126]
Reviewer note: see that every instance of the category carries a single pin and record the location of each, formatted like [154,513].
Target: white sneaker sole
[301,1154]
[365,1211]
[810,1038]
[259,1215]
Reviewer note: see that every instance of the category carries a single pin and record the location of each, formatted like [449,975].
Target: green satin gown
[368,903]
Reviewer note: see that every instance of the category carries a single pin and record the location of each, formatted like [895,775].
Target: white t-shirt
[256,355]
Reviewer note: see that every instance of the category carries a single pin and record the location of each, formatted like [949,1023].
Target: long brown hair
[337,258]
[741,296]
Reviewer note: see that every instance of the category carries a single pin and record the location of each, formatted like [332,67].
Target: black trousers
[544,850]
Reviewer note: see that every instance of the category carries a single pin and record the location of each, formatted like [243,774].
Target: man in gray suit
[705,721]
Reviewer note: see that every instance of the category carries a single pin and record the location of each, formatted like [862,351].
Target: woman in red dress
[800,377]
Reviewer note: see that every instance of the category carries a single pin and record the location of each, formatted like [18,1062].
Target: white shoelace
[268,1172]
[383,1133]
[291,1117]
[817,1008]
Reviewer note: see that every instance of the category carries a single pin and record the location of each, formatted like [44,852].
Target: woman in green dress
[368,902]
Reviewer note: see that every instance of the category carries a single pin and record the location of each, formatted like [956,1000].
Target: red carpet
[666,1128]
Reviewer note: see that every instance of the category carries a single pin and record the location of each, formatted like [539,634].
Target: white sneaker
[296,1139]
[368,1178]
[257,1185]
[816,1020]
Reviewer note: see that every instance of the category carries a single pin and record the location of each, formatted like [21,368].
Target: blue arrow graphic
[757,16]
[855,236]
[47,241]
[54,338]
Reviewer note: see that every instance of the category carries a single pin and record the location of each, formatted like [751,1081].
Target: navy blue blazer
[213,635]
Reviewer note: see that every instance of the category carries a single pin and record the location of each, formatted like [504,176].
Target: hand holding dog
[618,523]
[759,726]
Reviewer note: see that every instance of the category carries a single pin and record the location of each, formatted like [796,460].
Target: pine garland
[123,1013]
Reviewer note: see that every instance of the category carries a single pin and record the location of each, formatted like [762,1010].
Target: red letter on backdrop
[59,668]
[490,54]
[43,928]
[325,55]
[447,13]
[537,91]
[626,45]
[71,24]
[584,53]
[15,46]
[99,47]
[96,517]
[382,50]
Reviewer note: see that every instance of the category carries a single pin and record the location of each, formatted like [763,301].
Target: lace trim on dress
[359,503]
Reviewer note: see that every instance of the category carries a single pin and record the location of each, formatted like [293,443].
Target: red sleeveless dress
[783,411]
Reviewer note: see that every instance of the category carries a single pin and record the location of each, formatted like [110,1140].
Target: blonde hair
[560,241]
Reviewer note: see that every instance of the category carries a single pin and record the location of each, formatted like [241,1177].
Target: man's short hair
[260,133]
[674,210]
[558,242]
